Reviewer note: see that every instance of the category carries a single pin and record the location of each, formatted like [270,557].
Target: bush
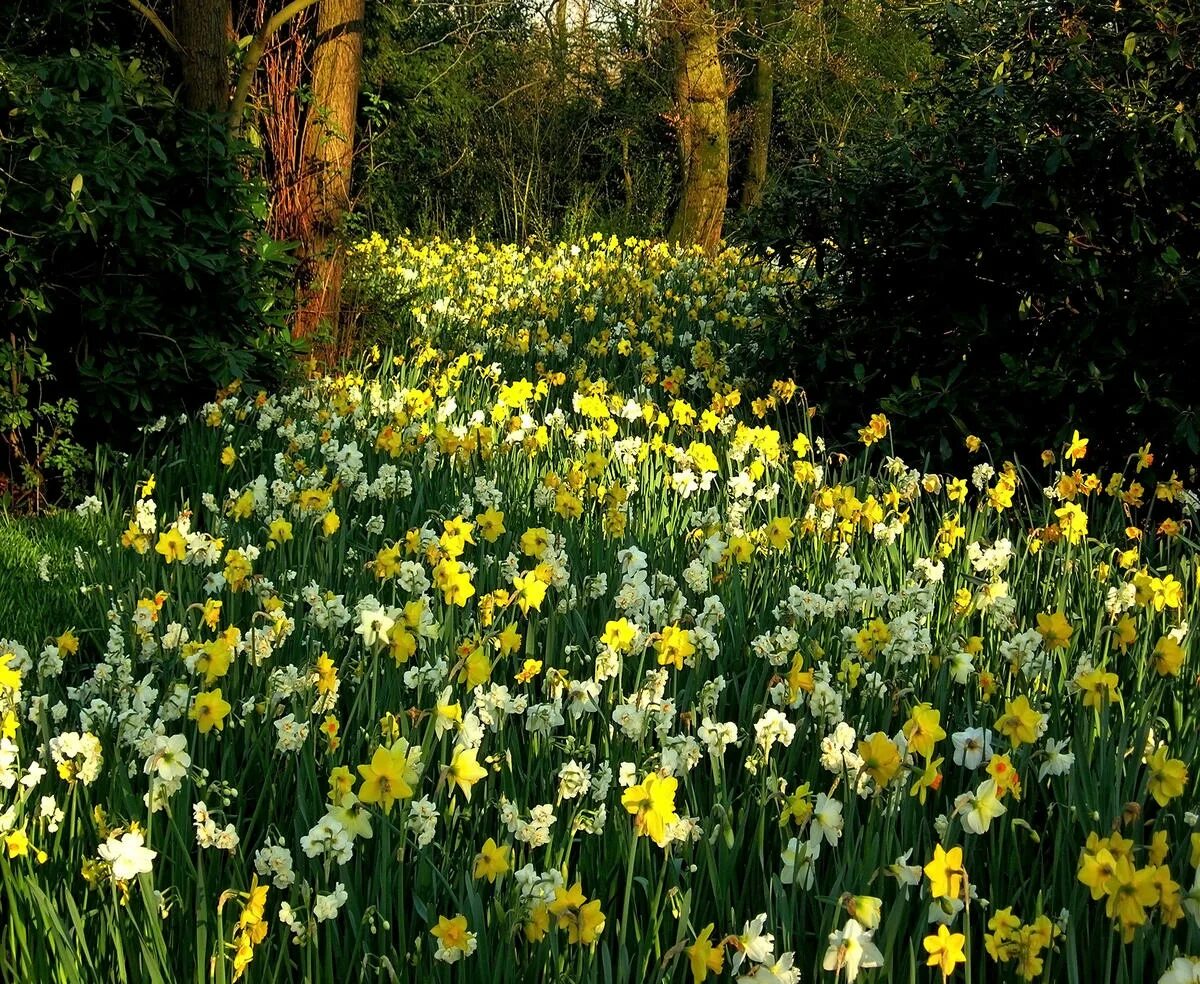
[137,277]
[1021,254]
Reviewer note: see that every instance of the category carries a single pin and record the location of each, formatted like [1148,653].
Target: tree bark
[204,29]
[626,174]
[328,158]
[762,104]
[560,40]
[702,124]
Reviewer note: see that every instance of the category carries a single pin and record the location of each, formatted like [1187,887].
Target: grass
[33,608]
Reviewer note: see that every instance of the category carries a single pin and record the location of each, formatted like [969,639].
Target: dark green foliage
[1021,255]
[136,275]
[45,27]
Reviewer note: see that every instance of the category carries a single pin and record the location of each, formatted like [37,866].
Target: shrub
[137,278]
[1022,253]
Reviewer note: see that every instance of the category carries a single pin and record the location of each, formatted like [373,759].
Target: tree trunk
[762,104]
[626,174]
[702,124]
[328,158]
[204,29]
[559,42]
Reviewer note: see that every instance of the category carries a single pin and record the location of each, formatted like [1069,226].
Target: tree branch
[159,26]
[254,54]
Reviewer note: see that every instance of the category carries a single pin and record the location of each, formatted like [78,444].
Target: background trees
[512,119]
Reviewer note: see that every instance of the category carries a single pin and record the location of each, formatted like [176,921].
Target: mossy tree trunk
[328,158]
[762,105]
[702,123]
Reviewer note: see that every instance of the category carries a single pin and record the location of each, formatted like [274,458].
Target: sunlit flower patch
[521,653]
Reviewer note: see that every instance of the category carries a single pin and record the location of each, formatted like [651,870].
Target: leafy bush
[137,278]
[1022,253]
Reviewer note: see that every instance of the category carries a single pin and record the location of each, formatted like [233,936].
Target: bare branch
[158,24]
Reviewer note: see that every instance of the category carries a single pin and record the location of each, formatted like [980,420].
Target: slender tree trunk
[626,174]
[328,157]
[204,29]
[560,39]
[762,105]
[702,124]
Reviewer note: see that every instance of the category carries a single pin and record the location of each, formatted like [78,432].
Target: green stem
[633,841]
